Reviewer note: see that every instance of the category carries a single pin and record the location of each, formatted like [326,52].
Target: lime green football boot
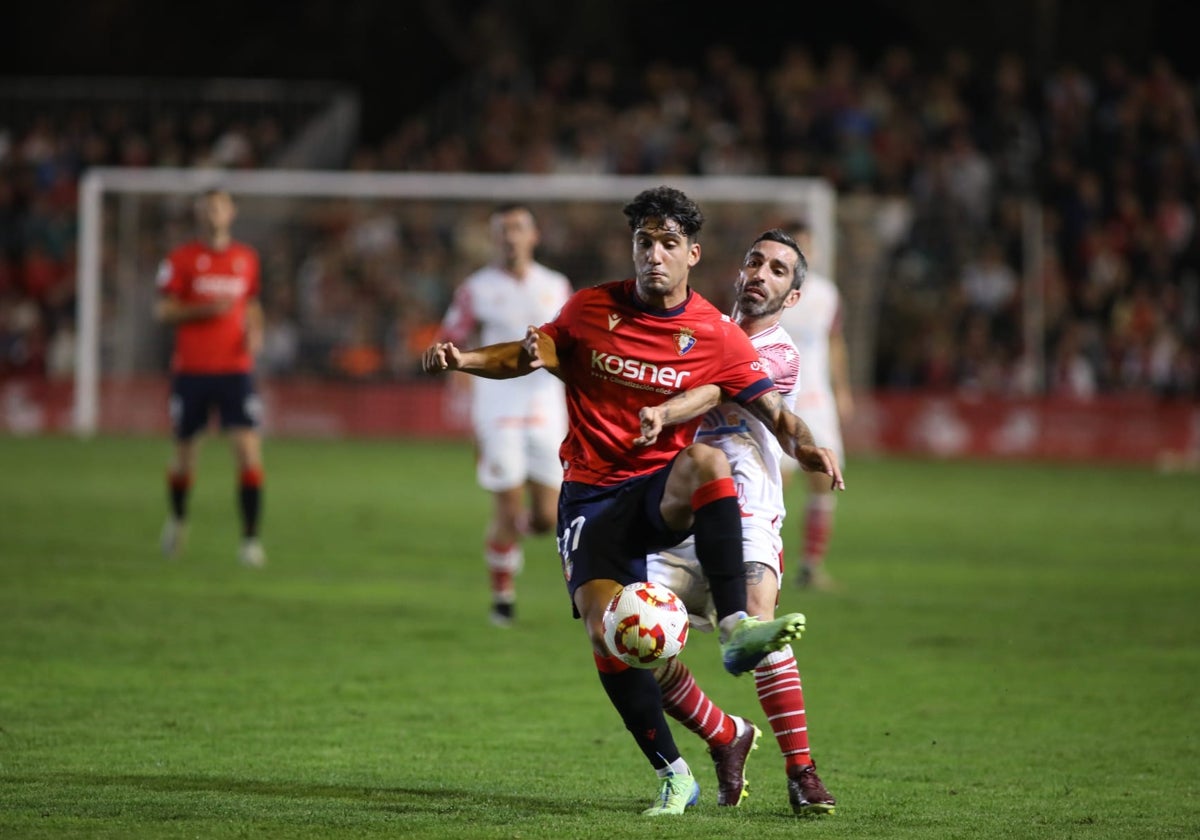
[677,794]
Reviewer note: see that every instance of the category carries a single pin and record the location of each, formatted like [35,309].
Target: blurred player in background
[518,425]
[208,291]
[617,346]
[824,400]
[768,283]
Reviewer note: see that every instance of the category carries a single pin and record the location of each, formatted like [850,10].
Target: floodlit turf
[1014,652]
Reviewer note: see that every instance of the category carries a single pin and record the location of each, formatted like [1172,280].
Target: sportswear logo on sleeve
[613,320]
[685,340]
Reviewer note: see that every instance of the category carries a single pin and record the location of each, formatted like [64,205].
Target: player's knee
[708,462]
[506,531]
[594,625]
[541,523]
[596,637]
[590,601]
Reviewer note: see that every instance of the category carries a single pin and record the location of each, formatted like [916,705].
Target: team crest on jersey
[685,340]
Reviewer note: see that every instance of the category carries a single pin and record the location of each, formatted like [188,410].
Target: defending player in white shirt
[768,284]
[518,423]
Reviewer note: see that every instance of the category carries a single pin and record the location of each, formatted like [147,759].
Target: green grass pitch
[1014,652]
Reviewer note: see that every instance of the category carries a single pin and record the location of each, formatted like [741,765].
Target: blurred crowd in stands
[1109,157]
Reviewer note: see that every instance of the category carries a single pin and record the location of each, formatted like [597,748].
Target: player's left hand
[542,352]
[651,419]
[821,459]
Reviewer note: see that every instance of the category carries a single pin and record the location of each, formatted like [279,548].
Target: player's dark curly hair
[665,203]
[783,238]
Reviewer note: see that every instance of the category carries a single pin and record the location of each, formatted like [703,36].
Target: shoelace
[665,791]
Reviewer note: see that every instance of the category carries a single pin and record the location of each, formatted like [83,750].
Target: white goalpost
[739,203]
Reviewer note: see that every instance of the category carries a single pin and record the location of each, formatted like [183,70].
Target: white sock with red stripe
[818,527]
[684,700]
[503,562]
[777,682]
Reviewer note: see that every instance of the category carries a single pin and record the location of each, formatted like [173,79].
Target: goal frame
[816,195]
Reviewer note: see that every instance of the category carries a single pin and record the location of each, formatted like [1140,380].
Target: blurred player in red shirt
[617,347]
[209,292]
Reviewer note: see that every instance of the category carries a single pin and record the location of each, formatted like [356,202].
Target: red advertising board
[1108,429]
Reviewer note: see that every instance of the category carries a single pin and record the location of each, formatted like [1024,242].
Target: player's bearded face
[756,300]
[765,281]
[662,258]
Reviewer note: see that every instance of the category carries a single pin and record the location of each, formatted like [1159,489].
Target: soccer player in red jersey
[620,346]
[208,290]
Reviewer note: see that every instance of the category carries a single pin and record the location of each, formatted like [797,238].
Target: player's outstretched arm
[682,407]
[171,310]
[796,438]
[254,327]
[506,360]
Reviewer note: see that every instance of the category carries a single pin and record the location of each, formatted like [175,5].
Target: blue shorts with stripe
[605,532]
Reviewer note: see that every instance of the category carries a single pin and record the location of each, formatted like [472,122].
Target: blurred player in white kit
[824,400]
[518,423]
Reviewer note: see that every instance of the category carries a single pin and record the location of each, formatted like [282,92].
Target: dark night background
[399,55]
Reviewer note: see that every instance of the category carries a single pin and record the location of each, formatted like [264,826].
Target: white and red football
[645,624]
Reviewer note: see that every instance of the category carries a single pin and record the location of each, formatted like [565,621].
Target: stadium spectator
[1103,152]
[360,357]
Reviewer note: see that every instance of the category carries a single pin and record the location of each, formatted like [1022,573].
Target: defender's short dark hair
[665,203]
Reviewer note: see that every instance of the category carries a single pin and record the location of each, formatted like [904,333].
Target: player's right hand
[218,304]
[821,459]
[441,356]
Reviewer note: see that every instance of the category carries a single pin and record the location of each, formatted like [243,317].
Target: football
[645,624]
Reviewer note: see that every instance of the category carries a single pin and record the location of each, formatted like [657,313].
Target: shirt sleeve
[558,327]
[783,365]
[460,321]
[745,377]
[254,284]
[169,278]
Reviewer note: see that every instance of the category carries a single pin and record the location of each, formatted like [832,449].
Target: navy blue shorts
[194,396]
[605,533]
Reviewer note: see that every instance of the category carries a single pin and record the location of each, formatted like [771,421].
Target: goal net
[357,269]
